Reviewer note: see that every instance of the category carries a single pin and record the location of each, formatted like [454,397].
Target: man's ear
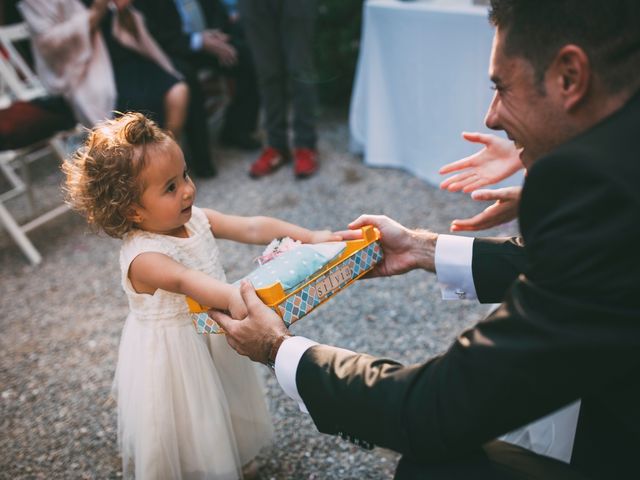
[572,71]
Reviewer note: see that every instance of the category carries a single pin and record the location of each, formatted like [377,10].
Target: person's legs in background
[261,20]
[297,29]
[241,115]
[176,106]
[197,139]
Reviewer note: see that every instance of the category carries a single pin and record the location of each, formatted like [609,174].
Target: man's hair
[607,30]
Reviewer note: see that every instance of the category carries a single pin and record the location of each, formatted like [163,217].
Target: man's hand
[503,210]
[499,159]
[217,44]
[403,249]
[254,335]
[219,34]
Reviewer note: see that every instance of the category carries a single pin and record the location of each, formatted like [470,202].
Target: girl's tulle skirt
[189,407]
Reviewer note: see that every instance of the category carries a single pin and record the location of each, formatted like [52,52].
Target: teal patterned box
[358,258]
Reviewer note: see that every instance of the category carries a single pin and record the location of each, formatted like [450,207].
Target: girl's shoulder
[198,216]
[138,241]
[199,222]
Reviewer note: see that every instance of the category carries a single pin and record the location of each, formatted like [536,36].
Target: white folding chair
[18,82]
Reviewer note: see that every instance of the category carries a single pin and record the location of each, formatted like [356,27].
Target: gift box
[294,302]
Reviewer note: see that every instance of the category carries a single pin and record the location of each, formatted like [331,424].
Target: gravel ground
[61,321]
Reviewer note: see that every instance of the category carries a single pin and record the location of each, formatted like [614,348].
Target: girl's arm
[151,270]
[261,230]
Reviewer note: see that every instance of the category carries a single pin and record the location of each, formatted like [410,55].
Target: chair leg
[26,178]
[59,145]
[19,236]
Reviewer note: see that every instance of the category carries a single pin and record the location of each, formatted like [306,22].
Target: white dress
[189,407]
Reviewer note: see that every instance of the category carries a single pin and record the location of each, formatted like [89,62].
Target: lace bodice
[199,251]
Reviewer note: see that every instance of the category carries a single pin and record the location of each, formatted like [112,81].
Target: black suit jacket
[165,23]
[569,328]
[496,263]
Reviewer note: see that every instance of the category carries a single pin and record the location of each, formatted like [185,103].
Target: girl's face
[169,193]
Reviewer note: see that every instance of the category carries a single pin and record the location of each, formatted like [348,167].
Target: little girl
[188,406]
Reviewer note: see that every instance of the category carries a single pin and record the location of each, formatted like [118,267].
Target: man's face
[531,114]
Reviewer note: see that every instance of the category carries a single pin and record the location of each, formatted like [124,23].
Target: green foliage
[336,47]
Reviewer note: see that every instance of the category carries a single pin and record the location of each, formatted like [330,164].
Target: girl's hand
[255,334]
[237,307]
[319,236]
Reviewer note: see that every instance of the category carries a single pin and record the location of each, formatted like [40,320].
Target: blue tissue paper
[296,265]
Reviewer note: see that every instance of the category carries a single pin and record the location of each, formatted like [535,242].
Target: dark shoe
[268,162]
[243,142]
[305,162]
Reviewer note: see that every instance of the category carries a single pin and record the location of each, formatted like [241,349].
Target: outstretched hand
[254,335]
[499,159]
[503,210]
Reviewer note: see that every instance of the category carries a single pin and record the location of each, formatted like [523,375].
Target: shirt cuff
[196,41]
[453,259]
[287,359]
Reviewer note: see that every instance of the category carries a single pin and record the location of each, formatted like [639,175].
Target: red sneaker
[305,163]
[269,161]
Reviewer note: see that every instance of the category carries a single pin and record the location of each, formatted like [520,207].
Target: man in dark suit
[567,83]
[199,34]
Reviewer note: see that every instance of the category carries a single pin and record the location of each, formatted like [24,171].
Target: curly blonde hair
[102,176]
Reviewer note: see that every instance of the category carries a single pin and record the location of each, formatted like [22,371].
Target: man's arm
[497,262]
[562,333]
[480,268]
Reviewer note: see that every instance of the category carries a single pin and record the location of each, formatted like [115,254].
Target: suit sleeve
[165,25]
[496,263]
[562,333]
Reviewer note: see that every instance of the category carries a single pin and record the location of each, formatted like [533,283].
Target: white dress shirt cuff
[453,267]
[287,359]
[196,41]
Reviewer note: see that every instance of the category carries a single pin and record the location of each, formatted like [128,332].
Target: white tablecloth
[421,80]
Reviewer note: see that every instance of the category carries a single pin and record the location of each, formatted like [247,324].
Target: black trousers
[280,34]
[241,115]
[495,461]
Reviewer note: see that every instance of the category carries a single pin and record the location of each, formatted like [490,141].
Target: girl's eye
[171,187]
